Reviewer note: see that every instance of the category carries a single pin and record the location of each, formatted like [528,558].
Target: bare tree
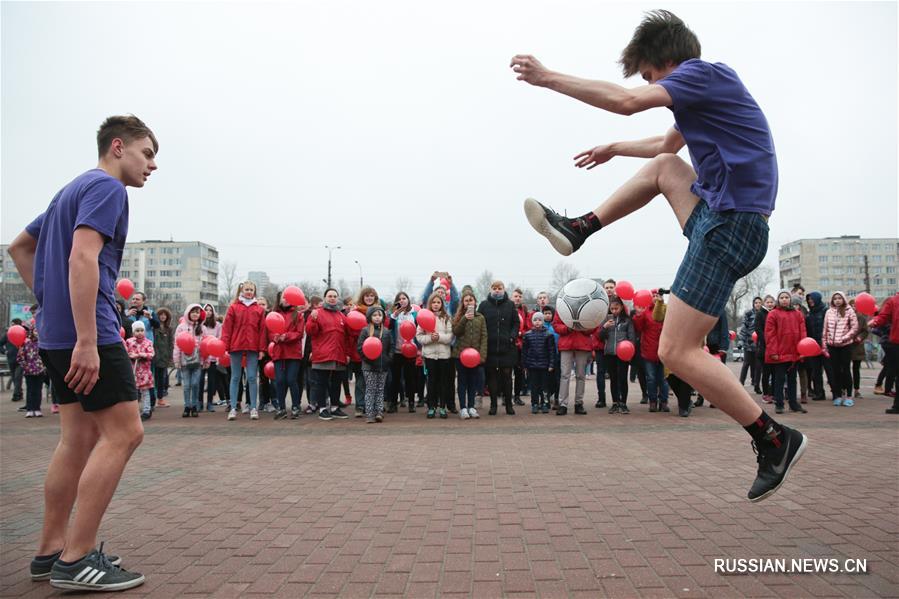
[482,284]
[403,284]
[310,288]
[744,290]
[227,282]
[562,274]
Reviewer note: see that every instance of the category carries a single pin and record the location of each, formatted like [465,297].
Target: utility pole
[361,284]
[867,275]
[330,249]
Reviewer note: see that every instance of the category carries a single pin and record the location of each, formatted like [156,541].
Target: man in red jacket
[889,312]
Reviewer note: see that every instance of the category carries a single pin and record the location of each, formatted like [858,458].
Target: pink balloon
[294,296]
[187,343]
[355,320]
[16,335]
[125,288]
[409,350]
[643,298]
[808,347]
[733,335]
[271,348]
[427,321]
[624,290]
[625,350]
[470,357]
[275,323]
[372,348]
[864,303]
[407,330]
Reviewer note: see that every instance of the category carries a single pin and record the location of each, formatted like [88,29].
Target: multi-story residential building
[173,273]
[260,277]
[848,263]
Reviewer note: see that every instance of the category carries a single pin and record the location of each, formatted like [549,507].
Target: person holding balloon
[470,331]
[243,333]
[784,328]
[435,336]
[650,331]
[367,298]
[28,359]
[11,350]
[375,345]
[285,336]
[403,374]
[814,326]
[617,328]
[330,331]
[887,317]
[187,355]
[840,328]
[212,329]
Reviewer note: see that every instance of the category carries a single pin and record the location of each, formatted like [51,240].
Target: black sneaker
[776,457]
[194,413]
[339,413]
[561,411]
[600,404]
[663,407]
[614,409]
[294,413]
[41,566]
[643,400]
[185,413]
[579,409]
[564,234]
[93,572]
[517,401]
[622,409]
[146,415]
[359,412]
[324,415]
[280,415]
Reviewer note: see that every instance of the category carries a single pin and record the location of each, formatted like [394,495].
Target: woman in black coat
[502,352]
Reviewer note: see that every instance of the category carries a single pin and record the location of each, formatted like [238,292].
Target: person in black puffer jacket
[502,353]
[767,369]
[814,326]
[538,356]
[750,360]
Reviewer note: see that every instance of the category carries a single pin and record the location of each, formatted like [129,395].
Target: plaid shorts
[724,247]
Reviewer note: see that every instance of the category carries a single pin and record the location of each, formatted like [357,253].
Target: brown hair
[396,300]
[127,128]
[442,312]
[660,39]
[365,291]
[460,311]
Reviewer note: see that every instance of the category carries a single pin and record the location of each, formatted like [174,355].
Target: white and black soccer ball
[582,304]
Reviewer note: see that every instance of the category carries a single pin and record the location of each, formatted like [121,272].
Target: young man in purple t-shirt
[722,202]
[70,256]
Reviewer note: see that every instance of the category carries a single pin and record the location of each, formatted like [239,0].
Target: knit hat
[138,326]
[371,311]
[537,317]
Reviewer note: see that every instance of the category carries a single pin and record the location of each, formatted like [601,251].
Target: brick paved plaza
[525,506]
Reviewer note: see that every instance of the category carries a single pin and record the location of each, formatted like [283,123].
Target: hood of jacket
[191,307]
[842,295]
[816,297]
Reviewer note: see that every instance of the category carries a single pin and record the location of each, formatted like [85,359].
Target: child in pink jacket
[140,350]
[840,328]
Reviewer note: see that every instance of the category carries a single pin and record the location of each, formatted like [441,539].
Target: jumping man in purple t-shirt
[722,203]
[70,256]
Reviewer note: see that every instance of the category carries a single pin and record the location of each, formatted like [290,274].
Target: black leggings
[840,361]
[856,374]
[440,383]
[750,365]
[499,382]
[682,391]
[403,377]
[617,370]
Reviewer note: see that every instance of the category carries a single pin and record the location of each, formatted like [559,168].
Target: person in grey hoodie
[374,371]
[617,328]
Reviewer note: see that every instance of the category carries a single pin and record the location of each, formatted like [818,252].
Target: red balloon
[187,343]
[445,284]
[864,303]
[625,350]
[125,288]
[269,370]
[427,321]
[122,332]
[755,337]
[407,330]
[625,290]
[225,359]
[808,347]
[733,335]
[470,357]
[416,308]
[271,348]
[409,350]
[294,296]
[204,345]
[16,335]
[275,323]
[643,298]
[356,320]
[372,348]
[216,348]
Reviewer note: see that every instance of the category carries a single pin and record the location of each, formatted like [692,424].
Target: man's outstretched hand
[530,69]
[594,157]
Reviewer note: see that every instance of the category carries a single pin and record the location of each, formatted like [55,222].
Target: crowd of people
[525,352]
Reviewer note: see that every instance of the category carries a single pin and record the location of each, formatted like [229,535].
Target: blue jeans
[286,377]
[469,379]
[236,371]
[190,380]
[656,383]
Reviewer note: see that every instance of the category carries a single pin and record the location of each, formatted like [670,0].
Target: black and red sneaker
[566,235]
[776,457]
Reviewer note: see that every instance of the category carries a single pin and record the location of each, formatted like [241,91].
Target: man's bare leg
[680,349]
[120,433]
[78,435]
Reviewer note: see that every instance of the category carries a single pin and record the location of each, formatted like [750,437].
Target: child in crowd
[617,328]
[538,357]
[858,353]
[375,370]
[784,328]
[551,391]
[367,299]
[286,350]
[840,329]
[403,374]
[209,374]
[140,350]
[244,335]
[29,360]
[470,331]
[436,352]
[192,363]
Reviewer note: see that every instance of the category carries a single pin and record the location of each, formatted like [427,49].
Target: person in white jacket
[436,350]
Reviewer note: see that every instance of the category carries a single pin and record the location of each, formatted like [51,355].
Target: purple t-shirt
[100,202]
[727,135]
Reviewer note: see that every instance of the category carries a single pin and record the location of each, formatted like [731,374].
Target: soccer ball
[582,304]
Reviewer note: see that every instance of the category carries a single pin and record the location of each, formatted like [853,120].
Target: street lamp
[330,249]
[360,273]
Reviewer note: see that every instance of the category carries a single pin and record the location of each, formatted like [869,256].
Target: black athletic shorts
[116,382]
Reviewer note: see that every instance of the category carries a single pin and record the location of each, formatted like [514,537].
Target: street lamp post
[360,273]
[330,249]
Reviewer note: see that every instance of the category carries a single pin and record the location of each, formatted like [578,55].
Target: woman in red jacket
[330,338]
[784,328]
[243,333]
[286,350]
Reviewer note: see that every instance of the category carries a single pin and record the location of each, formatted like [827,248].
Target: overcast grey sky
[398,131]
